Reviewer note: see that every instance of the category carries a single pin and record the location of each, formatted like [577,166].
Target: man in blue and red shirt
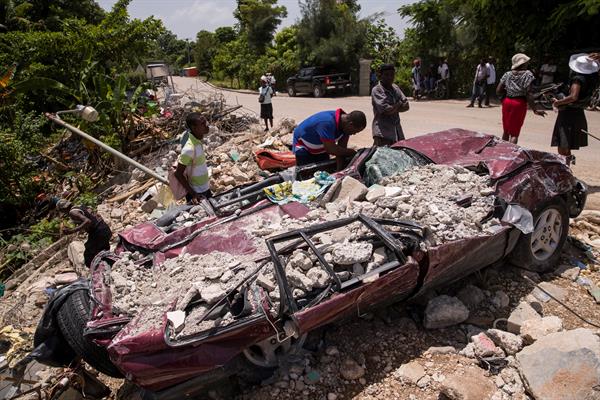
[325,133]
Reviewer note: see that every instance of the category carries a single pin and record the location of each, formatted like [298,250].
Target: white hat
[519,59]
[583,64]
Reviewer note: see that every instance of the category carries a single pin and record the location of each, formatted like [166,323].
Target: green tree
[171,49]
[205,49]
[382,42]
[257,20]
[225,34]
[331,34]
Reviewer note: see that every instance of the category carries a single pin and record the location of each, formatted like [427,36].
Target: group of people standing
[327,133]
[516,87]
[423,83]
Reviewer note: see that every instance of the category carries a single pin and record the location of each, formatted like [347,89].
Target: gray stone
[318,276]
[410,372]
[562,366]
[118,280]
[441,350]
[349,253]
[298,280]
[301,259]
[500,300]
[266,282]
[211,293]
[444,311]
[468,384]
[471,296]
[350,370]
[556,292]
[379,256]
[534,329]
[483,346]
[509,342]
[521,313]
[375,192]
[149,206]
[358,269]
[117,213]
[568,272]
[350,190]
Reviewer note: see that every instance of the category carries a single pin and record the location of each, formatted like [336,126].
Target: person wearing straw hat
[570,123]
[515,87]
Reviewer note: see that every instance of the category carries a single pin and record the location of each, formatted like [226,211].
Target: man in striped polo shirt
[193,159]
[325,133]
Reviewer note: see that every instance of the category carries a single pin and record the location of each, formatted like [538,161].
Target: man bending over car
[326,133]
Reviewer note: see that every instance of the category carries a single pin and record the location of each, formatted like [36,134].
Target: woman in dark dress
[571,122]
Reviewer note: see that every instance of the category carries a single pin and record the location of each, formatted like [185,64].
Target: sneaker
[266,130]
[479,105]
[470,105]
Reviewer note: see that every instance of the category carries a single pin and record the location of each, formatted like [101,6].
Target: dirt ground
[429,116]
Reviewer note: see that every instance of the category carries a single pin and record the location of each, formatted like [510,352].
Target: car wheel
[72,318]
[540,250]
[291,91]
[317,91]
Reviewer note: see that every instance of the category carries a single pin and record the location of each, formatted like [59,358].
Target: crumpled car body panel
[521,176]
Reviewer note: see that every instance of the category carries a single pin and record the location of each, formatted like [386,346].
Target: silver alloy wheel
[291,91]
[266,353]
[545,238]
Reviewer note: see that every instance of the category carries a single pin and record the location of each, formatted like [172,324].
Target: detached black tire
[540,251]
[72,319]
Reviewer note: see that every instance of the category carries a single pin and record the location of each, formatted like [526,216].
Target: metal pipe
[135,164]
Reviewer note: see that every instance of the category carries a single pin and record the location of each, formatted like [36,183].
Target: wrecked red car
[266,309]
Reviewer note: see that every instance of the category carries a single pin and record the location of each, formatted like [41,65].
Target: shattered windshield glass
[387,162]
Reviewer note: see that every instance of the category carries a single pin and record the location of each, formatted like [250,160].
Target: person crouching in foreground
[192,171]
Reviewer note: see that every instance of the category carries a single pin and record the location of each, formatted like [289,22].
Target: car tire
[317,91]
[291,91]
[540,250]
[72,318]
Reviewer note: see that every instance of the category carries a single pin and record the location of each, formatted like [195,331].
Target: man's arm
[180,175]
[340,150]
[77,215]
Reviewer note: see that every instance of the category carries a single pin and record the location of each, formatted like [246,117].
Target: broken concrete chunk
[351,252]
[410,372]
[118,280]
[318,276]
[213,272]
[392,191]
[358,269]
[379,256]
[301,259]
[468,384]
[483,346]
[444,311]
[509,342]
[562,365]
[521,313]
[350,190]
[298,280]
[265,281]
[534,329]
[350,370]
[375,192]
[471,296]
[211,293]
[177,319]
[65,278]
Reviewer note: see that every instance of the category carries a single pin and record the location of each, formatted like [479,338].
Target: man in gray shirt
[388,101]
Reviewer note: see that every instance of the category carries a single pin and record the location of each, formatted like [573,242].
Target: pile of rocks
[232,162]
[178,281]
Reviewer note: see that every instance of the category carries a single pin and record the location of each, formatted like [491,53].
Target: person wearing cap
[98,231]
[388,102]
[327,133]
[515,87]
[571,123]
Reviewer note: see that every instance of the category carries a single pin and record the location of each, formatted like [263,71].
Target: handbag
[261,98]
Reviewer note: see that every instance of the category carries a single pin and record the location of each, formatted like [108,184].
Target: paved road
[430,116]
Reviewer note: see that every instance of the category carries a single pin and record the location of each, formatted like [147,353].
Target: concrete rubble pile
[232,161]
[202,279]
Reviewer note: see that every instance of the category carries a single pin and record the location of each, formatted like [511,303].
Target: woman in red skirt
[514,86]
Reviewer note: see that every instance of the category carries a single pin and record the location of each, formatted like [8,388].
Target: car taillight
[327,80]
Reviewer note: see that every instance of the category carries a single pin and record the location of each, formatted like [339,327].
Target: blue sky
[186,17]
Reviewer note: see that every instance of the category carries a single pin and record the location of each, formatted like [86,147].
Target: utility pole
[187,41]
